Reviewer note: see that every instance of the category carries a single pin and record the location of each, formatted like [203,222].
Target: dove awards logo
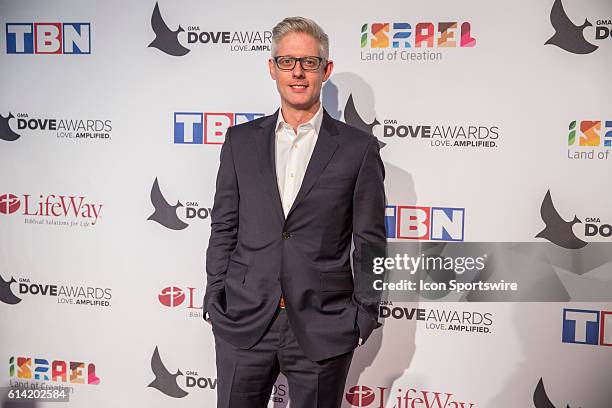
[375,397]
[592,327]
[68,129]
[48,38]
[62,294]
[6,133]
[175,297]
[279,394]
[561,232]
[42,369]
[168,383]
[207,127]
[50,209]
[571,37]
[425,223]
[396,41]
[167,215]
[454,136]
[589,140]
[460,321]
[169,40]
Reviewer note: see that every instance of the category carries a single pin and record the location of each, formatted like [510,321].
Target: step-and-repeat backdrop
[495,121]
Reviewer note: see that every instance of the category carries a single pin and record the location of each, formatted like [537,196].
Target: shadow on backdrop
[390,349]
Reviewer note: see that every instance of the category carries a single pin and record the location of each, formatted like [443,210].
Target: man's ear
[328,70]
[271,68]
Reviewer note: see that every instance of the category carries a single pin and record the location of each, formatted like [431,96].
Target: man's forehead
[295,42]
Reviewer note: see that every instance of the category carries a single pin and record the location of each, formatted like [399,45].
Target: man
[292,190]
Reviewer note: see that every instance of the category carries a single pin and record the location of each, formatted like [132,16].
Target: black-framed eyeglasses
[286,63]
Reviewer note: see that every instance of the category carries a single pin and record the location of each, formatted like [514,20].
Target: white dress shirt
[293,152]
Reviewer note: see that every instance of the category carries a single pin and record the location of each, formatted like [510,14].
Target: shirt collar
[315,121]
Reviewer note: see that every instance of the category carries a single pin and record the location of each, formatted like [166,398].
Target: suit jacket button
[286,235]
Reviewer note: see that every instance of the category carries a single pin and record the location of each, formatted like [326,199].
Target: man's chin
[301,105]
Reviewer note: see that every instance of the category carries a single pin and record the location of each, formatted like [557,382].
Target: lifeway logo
[560,232]
[439,319]
[592,327]
[570,37]
[167,40]
[375,397]
[51,209]
[61,128]
[168,383]
[176,297]
[166,214]
[396,41]
[425,223]
[589,143]
[48,38]
[207,127]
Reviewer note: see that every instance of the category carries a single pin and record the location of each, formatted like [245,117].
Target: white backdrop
[522,93]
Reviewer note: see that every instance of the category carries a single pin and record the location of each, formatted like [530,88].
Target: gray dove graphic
[165,214]
[568,36]
[166,40]
[6,133]
[164,380]
[6,294]
[557,230]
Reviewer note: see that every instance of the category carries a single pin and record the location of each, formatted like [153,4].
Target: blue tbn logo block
[189,127]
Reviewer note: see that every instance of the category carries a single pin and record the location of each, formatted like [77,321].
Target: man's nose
[298,72]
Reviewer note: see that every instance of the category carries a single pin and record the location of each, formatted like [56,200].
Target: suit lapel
[266,153]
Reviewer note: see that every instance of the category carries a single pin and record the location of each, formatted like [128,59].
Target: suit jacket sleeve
[224,225]
[369,234]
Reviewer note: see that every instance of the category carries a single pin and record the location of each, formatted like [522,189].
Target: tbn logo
[207,127]
[425,35]
[587,327]
[48,38]
[423,223]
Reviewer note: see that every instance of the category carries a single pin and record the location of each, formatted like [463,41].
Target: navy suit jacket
[255,254]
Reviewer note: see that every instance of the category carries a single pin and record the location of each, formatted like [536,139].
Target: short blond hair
[301,25]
